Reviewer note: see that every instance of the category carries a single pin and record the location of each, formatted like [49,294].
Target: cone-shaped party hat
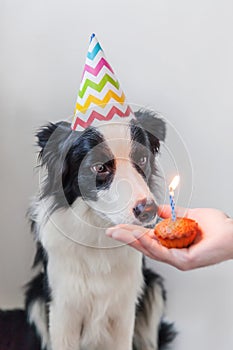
[100,98]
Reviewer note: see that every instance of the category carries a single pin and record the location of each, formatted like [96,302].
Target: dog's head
[111,167]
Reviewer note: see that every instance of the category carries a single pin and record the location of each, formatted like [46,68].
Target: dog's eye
[142,161]
[99,168]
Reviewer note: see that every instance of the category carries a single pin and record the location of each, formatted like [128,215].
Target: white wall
[175,56]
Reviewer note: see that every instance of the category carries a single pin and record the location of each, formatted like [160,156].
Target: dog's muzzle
[145,211]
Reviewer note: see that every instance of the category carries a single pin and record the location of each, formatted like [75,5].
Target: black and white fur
[92,293]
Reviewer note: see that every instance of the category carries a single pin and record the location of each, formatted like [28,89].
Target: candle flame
[174,183]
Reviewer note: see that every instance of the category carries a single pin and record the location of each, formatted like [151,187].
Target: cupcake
[176,234]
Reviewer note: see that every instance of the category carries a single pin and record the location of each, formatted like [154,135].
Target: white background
[175,56]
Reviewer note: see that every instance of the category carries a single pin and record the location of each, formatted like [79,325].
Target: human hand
[215,244]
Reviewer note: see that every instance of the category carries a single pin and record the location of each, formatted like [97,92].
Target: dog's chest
[93,287]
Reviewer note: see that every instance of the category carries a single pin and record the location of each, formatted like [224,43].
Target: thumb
[164,211]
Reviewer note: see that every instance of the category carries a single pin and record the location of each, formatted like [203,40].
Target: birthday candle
[172,204]
[172,188]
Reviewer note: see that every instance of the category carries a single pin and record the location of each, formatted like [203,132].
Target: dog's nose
[145,211]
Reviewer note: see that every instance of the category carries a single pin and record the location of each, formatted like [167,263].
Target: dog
[91,292]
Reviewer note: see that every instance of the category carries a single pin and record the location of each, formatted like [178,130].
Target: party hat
[100,98]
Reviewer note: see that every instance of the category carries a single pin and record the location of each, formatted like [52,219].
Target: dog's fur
[92,293]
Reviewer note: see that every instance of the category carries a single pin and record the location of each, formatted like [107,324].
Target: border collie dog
[91,292]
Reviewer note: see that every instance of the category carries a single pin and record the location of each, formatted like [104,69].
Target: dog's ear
[50,138]
[44,134]
[152,123]
[54,141]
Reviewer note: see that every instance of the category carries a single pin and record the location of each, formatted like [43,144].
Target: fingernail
[109,232]
[114,234]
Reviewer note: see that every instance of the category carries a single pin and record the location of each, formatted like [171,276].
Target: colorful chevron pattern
[100,98]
